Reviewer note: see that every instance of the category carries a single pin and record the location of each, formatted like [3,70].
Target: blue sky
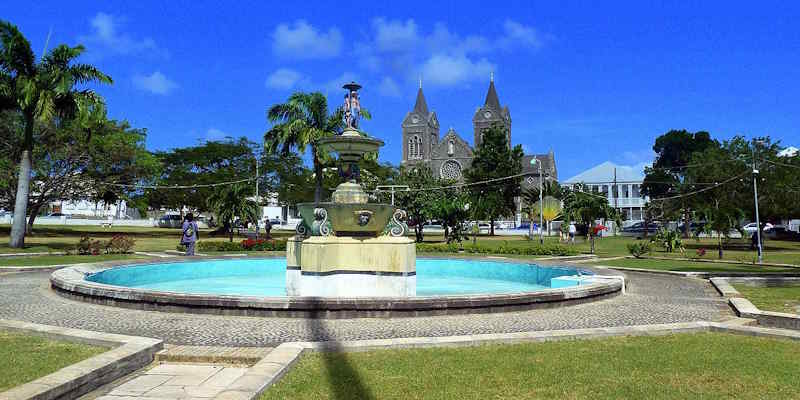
[589,80]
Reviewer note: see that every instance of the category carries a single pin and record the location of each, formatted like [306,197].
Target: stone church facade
[450,155]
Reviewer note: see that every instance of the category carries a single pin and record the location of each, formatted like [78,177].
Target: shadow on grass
[345,382]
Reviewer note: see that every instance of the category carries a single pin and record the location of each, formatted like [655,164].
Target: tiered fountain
[349,247]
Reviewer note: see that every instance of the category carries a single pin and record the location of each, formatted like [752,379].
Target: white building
[620,184]
[790,151]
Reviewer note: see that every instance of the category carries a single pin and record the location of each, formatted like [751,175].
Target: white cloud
[107,38]
[519,34]
[214,134]
[285,78]
[155,83]
[395,35]
[388,87]
[302,41]
[447,70]
[403,50]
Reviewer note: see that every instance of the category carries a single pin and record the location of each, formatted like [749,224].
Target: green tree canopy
[494,158]
[40,92]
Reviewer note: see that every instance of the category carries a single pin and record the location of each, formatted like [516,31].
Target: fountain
[349,247]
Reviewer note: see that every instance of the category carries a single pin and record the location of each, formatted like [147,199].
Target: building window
[414,148]
[636,192]
[451,170]
[451,147]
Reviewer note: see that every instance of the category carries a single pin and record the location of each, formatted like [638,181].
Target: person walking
[572,231]
[189,236]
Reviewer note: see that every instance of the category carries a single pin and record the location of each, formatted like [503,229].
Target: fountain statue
[349,247]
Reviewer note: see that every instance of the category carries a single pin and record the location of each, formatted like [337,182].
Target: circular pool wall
[257,287]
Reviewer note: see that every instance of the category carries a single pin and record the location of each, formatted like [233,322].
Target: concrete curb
[275,365]
[746,309]
[127,354]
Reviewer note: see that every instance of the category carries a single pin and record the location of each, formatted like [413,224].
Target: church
[448,156]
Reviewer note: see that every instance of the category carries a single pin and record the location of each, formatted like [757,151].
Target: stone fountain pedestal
[333,266]
[350,247]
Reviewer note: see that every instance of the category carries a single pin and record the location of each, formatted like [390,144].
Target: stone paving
[651,299]
[177,381]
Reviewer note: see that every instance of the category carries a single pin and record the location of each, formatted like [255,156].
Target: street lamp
[755,196]
[536,162]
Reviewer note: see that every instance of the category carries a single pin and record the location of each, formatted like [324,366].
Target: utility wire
[208,185]
[782,164]
[701,190]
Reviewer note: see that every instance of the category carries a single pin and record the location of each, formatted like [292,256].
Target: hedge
[244,245]
[534,250]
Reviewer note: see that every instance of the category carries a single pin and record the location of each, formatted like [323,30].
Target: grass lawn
[43,261]
[695,366]
[63,238]
[26,357]
[774,298]
[690,266]
[58,238]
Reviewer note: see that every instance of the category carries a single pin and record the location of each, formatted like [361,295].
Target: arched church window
[451,147]
[414,148]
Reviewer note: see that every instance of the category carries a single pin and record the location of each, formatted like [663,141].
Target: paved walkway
[651,299]
[176,381]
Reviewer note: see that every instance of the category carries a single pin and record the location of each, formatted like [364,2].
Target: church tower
[420,132]
[491,113]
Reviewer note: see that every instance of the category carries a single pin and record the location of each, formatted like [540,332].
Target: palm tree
[234,201]
[40,91]
[550,210]
[301,122]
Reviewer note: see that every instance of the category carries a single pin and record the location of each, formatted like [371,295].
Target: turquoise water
[267,277]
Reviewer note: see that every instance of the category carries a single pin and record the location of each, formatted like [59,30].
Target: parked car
[58,215]
[780,232]
[638,229]
[751,228]
[694,226]
[170,221]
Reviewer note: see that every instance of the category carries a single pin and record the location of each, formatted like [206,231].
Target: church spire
[421,107]
[491,96]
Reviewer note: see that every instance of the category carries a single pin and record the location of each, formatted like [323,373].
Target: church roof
[548,164]
[421,107]
[604,173]
[492,101]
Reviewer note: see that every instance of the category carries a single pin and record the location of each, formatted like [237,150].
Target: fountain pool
[258,287]
[267,278]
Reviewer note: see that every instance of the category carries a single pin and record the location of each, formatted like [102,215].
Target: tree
[450,207]
[209,163]
[494,158]
[418,202]
[550,209]
[234,201]
[300,123]
[75,160]
[668,175]
[40,91]
[586,208]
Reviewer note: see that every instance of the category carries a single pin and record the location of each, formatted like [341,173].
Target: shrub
[219,246]
[701,252]
[639,249]
[263,245]
[87,246]
[120,244]
[670,240]
[537,250]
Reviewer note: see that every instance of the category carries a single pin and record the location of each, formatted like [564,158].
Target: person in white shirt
[572,231]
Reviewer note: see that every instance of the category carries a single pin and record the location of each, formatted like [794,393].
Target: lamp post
[258,203]
[755,197]
[536,162]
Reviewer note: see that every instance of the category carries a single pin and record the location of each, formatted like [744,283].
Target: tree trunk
[686,224]
[317,176]
[34,211]
[491,226]
[17,239]
[446,233]
[719,241]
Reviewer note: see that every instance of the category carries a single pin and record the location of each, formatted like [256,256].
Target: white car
[751,228]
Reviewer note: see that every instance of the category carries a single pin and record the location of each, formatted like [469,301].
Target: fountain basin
[256,287]
[350,146]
